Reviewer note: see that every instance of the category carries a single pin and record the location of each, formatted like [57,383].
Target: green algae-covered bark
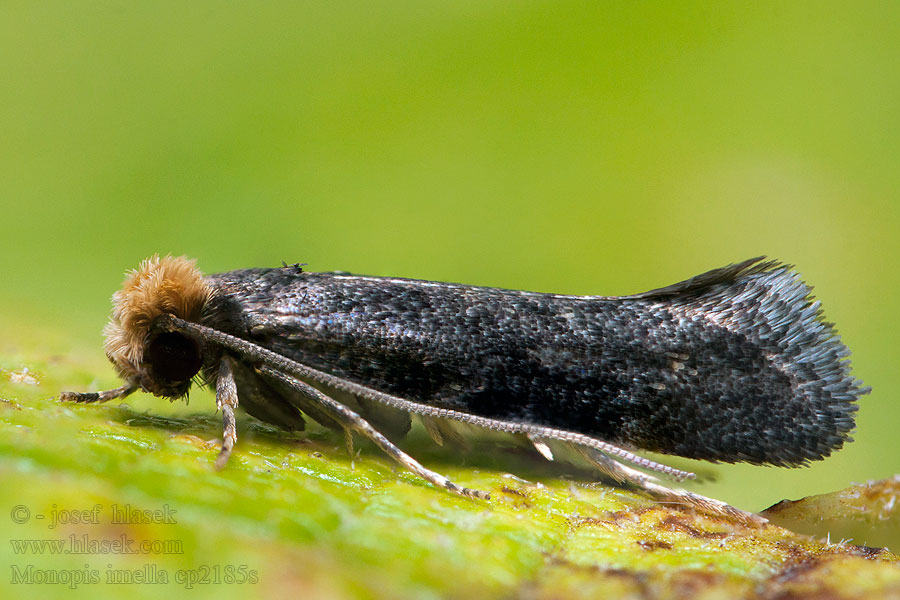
[126,493]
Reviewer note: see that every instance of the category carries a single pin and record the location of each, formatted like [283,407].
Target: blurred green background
[551,146]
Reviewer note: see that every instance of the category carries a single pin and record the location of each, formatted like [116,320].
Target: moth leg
[433,430]
[262,401]
[259,354]
[348,441]
[226,401]
[648,483]
[267,357]
[442,430]
[353,422]
[394,422]
[302,402]
[86,397]
[596,454]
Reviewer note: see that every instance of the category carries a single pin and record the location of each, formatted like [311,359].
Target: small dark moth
[732,365]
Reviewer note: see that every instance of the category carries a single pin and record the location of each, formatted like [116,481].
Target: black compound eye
[174,357]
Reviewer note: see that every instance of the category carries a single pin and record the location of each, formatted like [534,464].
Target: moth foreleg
[354,422]
[85,397]
[226,401]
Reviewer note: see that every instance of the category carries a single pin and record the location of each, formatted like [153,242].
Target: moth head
[161,362]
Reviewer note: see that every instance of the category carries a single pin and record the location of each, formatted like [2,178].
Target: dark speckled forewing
[734,366]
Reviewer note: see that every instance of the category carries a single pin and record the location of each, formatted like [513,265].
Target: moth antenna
[282,363]
[352,421]
[596,458]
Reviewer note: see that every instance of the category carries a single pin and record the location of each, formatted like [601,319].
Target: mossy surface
[294,514]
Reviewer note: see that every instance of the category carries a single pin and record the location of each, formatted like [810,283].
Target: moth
[733,365]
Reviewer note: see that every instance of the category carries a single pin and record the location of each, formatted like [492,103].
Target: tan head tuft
[170,285]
